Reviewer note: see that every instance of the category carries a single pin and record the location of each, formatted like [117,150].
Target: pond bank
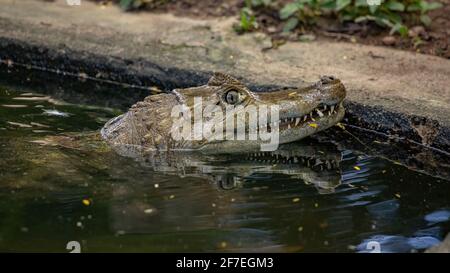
[389,91]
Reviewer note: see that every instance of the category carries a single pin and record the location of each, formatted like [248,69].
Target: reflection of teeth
[332,108]
[297,121]
[325,108]
[320,113]
[305,118]
[289,126]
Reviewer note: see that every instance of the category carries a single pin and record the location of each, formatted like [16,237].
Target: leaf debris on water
[21,125]
[86,202]
[313,125]
[148,211]
[340,125]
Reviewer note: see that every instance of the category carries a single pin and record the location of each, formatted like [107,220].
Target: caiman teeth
[291,122]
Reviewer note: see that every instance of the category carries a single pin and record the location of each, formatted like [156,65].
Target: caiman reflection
[313,162]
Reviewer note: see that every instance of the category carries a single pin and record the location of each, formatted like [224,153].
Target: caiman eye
[232,97]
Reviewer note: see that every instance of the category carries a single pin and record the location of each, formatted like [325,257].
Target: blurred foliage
[247,18]
[385,13]
[136,4]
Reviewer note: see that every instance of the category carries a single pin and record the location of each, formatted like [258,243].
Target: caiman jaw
[316,115]
[305,111]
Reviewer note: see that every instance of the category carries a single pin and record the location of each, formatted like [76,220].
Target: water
[79,191]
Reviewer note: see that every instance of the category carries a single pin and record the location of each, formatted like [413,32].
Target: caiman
[302,111]
[143,133]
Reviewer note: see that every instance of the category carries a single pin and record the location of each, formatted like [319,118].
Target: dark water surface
[311,196]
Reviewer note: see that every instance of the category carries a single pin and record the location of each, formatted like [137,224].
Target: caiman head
[197,118]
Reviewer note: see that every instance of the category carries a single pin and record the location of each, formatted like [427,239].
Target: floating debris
[295,200]
[86,202]
[340,125]
[313,125]
[14,105]
[32,98]
[149,211]
[39,124]
[156,186]
[55,113]
[21,125]
[43,142]
[357,168]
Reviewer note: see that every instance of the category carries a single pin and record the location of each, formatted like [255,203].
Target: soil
[432,40]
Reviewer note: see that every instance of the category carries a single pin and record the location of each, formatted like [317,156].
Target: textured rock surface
[443,247]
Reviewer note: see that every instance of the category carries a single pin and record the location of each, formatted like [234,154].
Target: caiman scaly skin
[303,111]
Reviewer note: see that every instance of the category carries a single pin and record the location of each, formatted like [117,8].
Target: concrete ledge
[392,92]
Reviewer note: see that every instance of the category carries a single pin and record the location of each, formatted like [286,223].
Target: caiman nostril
[327,79]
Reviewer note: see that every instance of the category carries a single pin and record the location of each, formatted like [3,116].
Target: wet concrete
[391,92]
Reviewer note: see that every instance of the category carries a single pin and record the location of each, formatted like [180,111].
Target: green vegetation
[248,20]
[390,14]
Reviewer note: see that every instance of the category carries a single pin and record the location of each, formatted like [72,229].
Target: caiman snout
[330,90]
[327,79]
